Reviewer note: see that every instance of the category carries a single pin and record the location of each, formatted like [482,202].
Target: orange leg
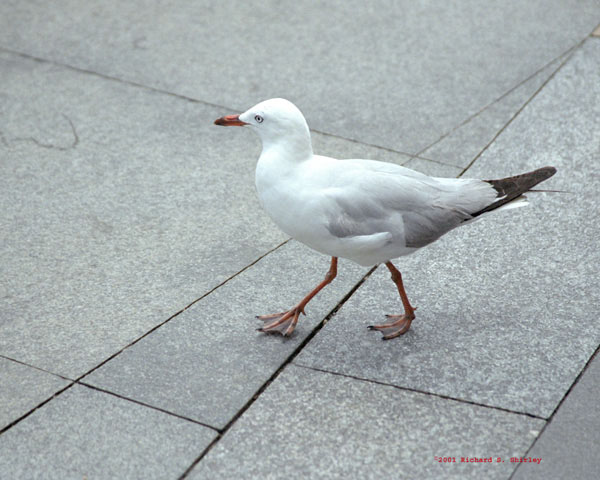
[401,323]
[285,322]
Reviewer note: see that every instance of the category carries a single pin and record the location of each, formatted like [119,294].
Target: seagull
[366,211]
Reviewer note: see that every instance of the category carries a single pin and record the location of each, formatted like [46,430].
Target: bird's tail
[511,189]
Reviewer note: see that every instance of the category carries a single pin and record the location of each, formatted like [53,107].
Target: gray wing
[421,230]
[416,209]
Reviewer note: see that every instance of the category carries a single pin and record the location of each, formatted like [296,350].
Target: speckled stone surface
[121,206]
[23,389]
[394,74]
[568,446]
[337,147]
[318,425]
[435,169]
[113,220]
[507,307]
[209,361]
[84,433]
[464,143]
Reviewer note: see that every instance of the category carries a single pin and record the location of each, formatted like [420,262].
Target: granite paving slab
[23,389]
[464,143]
[433,168]
[508,306]
[84,433]
[569,443]
[312,424]
[121,206]
[394,74]
[209,361]
[113,204]
[337,147]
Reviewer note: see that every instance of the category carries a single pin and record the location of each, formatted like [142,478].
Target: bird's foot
[399,326]
[282,323]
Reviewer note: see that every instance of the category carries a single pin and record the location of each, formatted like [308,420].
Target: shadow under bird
[364,210]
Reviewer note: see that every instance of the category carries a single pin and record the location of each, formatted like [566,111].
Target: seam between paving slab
[98,389]
[387,149]
[107,77]
[176,95]
[204,295]
[55,394]
[548,420]
[36,368]
[165,92]
[422,392]
[276,374]
[40,405]
[156,327]
[562,400]
[516,114]
[437,162]
[282,366]
[417,155]
[568,52]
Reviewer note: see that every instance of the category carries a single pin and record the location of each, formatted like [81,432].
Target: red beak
[230,121]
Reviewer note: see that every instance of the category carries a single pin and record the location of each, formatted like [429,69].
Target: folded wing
[373,197]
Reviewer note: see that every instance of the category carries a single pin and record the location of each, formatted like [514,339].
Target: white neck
[289,141]
[278,160]
[290,149]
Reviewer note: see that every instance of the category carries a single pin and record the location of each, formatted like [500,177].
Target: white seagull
[367,211]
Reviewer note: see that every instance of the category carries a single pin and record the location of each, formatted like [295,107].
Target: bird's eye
[258,119]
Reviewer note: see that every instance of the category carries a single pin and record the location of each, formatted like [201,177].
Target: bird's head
[277,121]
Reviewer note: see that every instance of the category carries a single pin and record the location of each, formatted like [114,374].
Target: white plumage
[364,210]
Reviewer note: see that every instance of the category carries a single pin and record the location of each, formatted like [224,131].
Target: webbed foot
[282,323]
[399,326]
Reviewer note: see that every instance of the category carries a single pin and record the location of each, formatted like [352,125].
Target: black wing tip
[510,188]
[547,171]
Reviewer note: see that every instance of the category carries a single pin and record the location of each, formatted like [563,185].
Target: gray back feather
[417,209]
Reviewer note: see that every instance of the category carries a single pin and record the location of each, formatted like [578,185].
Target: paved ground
[134,254]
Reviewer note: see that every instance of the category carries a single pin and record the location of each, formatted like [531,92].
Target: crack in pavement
[49,146]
